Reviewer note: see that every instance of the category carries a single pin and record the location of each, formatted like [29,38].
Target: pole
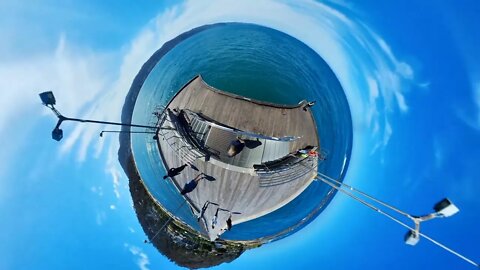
[368,196]
[339,186]
[63,118]
[48,101]
[378,210]
[121,131]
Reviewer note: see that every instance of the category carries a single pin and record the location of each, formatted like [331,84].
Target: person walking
[190,186]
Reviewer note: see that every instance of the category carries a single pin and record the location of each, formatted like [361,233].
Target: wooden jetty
[199,124]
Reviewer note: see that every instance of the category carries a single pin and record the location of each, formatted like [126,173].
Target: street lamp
[444,208]
[48,99]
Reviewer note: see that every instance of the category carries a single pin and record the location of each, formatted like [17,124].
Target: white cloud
[142,258]
[113,168]
[372,114]
[92,84]
[75,75]
[345,44]
[75,78]
[84,85]
[388,132]
[386,77]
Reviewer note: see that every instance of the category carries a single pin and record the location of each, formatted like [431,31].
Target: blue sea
[259,63]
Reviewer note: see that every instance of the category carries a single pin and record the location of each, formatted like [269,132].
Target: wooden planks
[255,116]
[235,190]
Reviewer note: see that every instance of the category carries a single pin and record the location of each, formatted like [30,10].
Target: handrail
[221,126]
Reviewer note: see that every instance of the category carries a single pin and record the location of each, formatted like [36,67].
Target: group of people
[192,184]
[215,217]
[310,151]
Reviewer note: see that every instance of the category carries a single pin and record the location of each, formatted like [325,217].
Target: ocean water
[259,63]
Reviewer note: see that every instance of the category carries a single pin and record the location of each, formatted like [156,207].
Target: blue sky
[410,71]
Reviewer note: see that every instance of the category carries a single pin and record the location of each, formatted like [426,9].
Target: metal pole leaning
[106,122]
[48,100]
[376,209]
[121,131]
[337,185]
[368,196]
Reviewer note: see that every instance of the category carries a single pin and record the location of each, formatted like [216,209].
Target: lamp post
[48,99]
[444,208]
[155,137]
[121,131]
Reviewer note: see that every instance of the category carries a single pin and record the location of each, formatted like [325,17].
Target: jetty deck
[235,188]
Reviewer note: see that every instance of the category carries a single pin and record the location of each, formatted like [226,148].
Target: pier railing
[287,170]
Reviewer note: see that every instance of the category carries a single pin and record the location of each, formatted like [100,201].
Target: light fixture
[47,98]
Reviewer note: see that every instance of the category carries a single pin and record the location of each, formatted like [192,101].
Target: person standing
[229,222]
[215,218]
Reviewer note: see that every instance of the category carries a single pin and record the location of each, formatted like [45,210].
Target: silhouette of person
[174,171]
[229,222]
[215,218]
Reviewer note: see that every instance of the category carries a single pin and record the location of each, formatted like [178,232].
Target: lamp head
[445,208]
[412,238]
[47,98]
[57,134]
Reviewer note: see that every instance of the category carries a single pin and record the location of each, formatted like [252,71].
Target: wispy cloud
[86,85]
[76,75]
[475,120]
[388,80]
[92,84]
[97,190]
[469,118]
[100,217]
[142,258]
[461,27]
[438,153]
